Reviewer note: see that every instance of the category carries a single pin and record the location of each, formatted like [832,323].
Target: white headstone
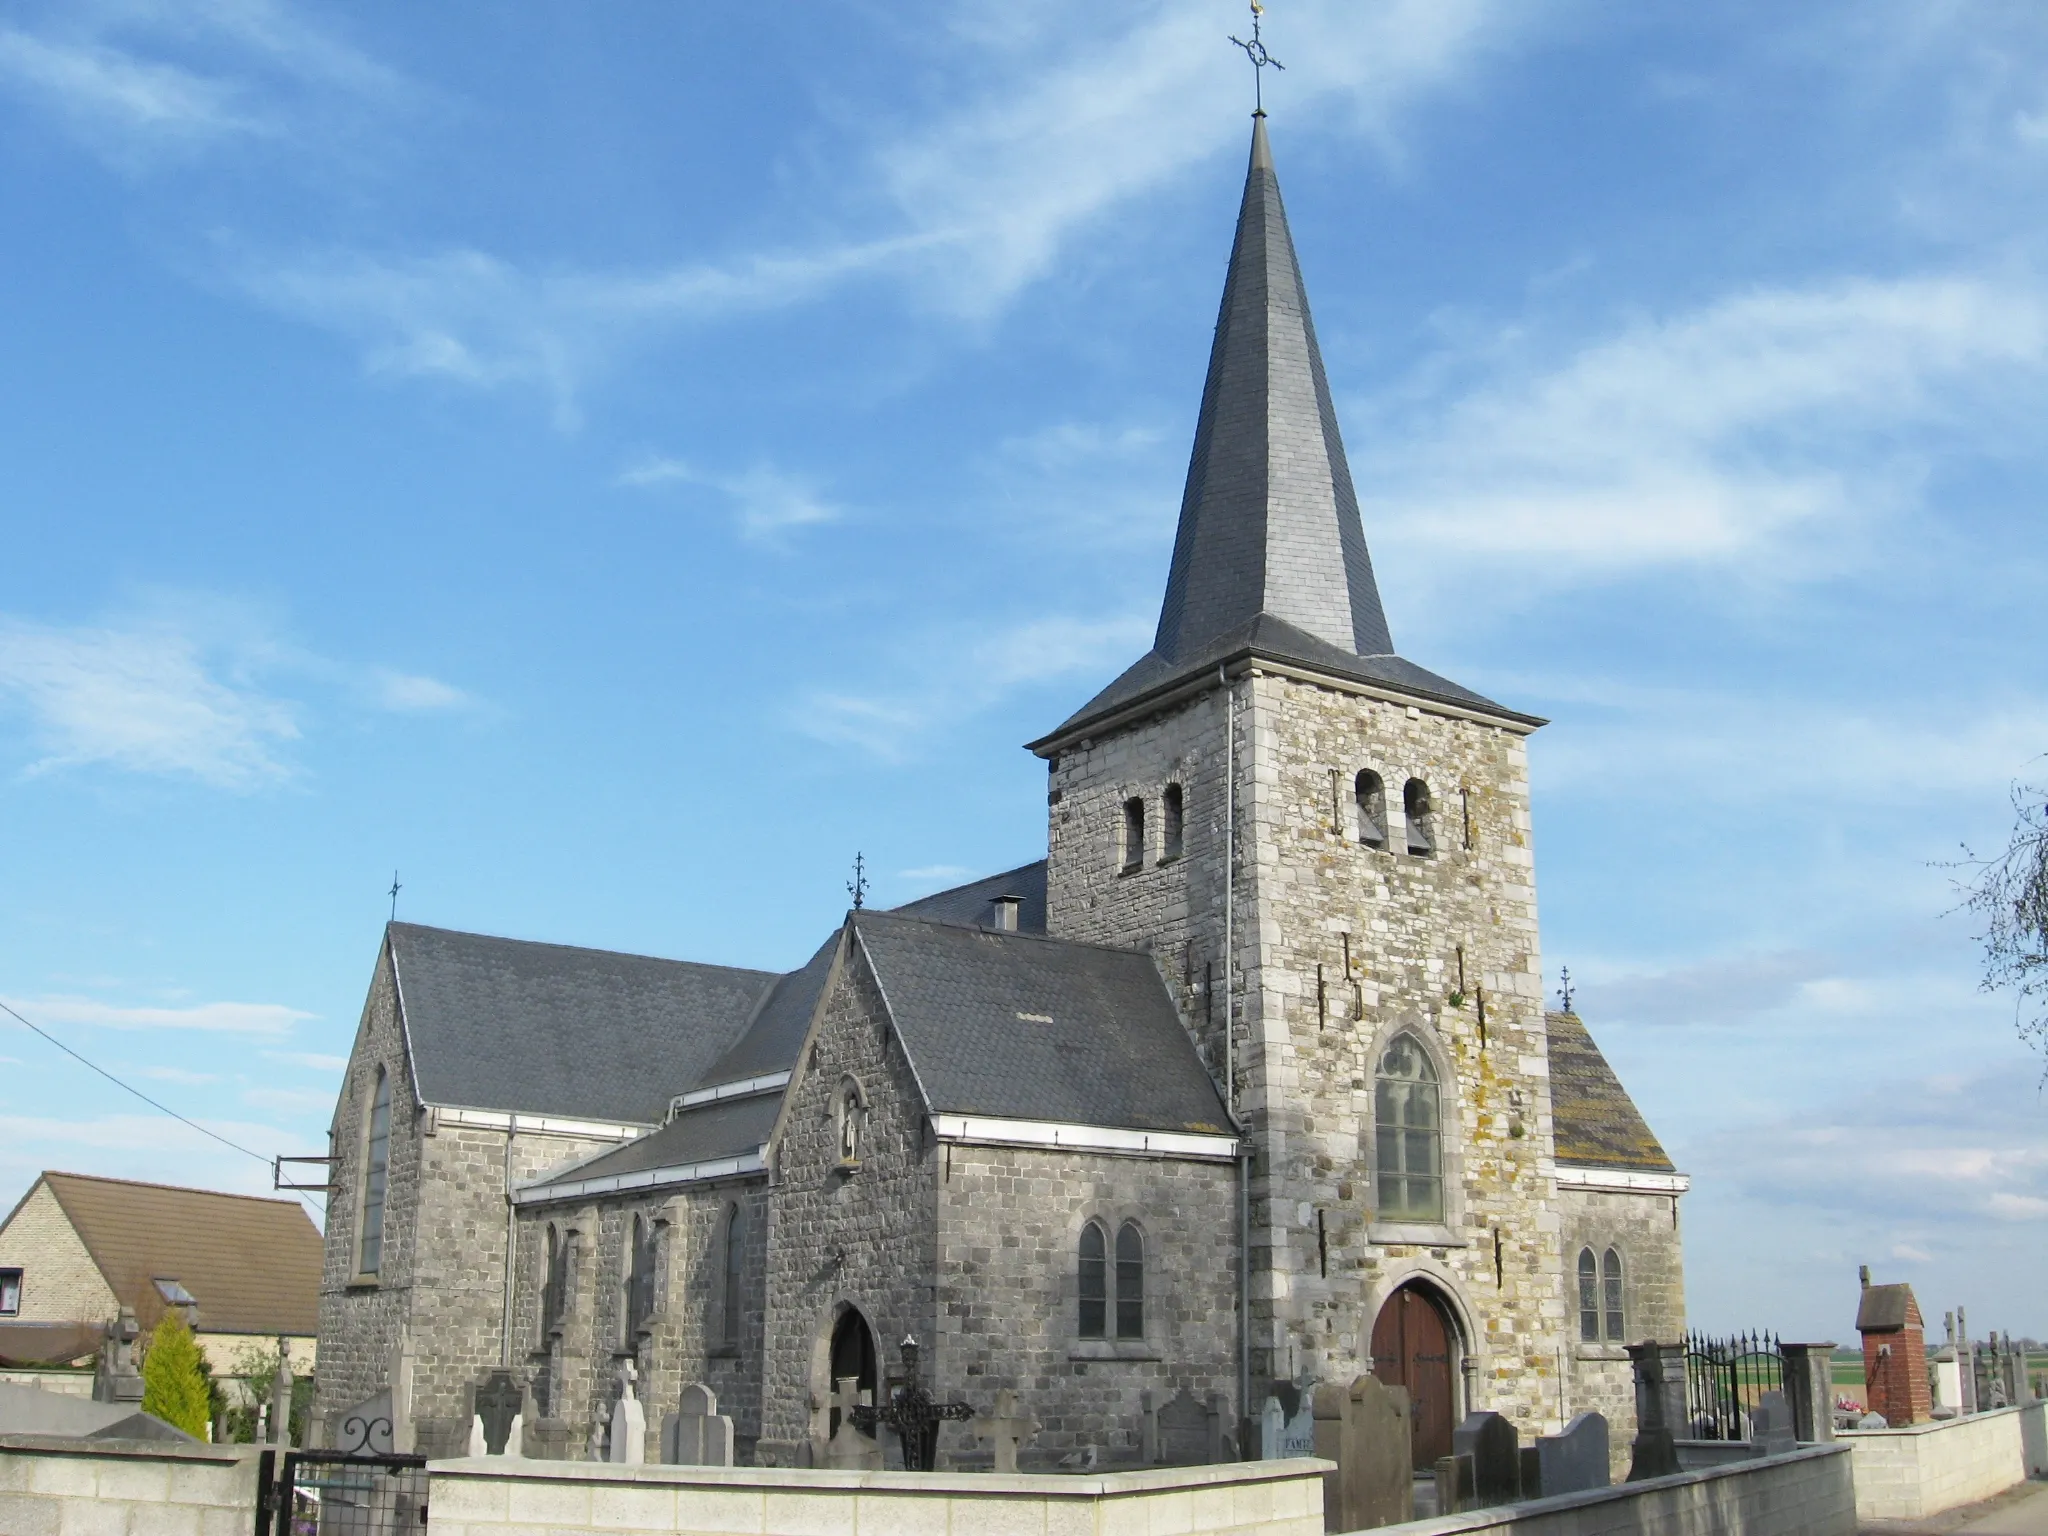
[629,1421]
[515,1438]
[1272,1422]
[478,1445]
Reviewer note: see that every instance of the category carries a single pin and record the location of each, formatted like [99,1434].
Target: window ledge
[1130,869]
[1112,1349]
[722,1352]
[365,1282]
[1414,1234]
[1600,1352]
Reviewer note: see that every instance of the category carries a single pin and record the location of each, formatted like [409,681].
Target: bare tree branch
[2008,894]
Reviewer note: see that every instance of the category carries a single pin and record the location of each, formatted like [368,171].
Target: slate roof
[973,904]
[772,1035]
[1596,1123]
[252,1264]
[507,1024]
[1016,1026]
[1886,1309]
[706,1133]
[1270,559]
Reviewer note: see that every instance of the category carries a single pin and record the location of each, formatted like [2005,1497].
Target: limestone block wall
[59,1281]
[62,1486]
[1338,947]
[1916,1472]
[1644,1230]
[1009,1228]
[863,1237]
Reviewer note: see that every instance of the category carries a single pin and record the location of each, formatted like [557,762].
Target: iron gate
[1724,1378]
[334,1493]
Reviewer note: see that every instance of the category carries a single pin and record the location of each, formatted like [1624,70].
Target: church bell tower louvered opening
[1349,926]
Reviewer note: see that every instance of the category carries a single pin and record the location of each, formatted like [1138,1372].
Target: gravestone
[1272,1420]
[1660,1408]
[1184,1431]
[1453,1484]
[697,1434]
[1222,1443]
[1490,1440]
[1770,1425]
[1366,1430]
[849,1449]
[1148,1433]
[498,1400]
[365,1429]
[281,1398]
[1574,1461]
[117,1378]
[1006,1429]
[629,1421]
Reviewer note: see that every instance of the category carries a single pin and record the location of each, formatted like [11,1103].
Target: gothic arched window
[554,1285]
[1589,1297]
[1610,1292]
[1094,1282]
[1171,828]
[1421,824]
[1371,794]
[639,1286]
[1130,1282]
[376,1173]
[1408,1131]
[733,1299]
[1134,833]
[851,1122]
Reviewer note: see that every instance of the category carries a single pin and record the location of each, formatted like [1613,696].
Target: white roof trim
[1625,1181]
[536,1125]
[737,1089]
[646,1178]
[981,1130]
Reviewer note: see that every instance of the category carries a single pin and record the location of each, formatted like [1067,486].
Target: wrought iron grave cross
[913,1415]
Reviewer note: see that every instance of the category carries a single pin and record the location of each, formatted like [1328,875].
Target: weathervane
[857,887]
[1255,50]
[393,894]
[1564,991]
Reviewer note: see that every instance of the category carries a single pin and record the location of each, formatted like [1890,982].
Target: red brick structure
[1894,1354]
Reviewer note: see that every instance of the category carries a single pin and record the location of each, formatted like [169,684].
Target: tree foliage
[2008,894]
[175,1384]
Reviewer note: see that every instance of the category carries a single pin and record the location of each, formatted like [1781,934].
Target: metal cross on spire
[857,887]
[1565,989]
[1255,50]
[393,894]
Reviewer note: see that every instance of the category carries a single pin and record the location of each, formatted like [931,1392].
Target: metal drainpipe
[511,1243]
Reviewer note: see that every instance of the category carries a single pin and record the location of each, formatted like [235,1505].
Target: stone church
[1248,1084]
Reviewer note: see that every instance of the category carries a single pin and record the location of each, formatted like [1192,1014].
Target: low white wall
[491,1496]
[1923,1469]
[51,1487]
[1806,1492]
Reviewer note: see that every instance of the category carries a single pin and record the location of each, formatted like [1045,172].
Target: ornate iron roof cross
[1255,50]
[1565,989]
[857,887]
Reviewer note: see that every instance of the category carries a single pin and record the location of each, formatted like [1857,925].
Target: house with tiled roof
[1245,1087]
[76,1249]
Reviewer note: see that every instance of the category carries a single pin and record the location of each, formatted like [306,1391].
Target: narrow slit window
[1589,1298]
[1408,1131]
[1134,833]
[1610,1286]
[1372,809]
[1421,822]
[1130,1282]
[1094,1277]
[1170,823]
[735,1268]
[641,1254]
[555,1286]
[376,1171]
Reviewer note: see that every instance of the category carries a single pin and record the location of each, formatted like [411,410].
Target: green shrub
[176,1385]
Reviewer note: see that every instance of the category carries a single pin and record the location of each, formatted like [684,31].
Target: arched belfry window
[732,1298]
[1134,833]
[1130,1282]
[1171,832]
[1094,1276]
[1371,792]
[1408,1127]
[1589,1297]
[376,1174]
[1610,1291]
[852,1123]
[1421,823]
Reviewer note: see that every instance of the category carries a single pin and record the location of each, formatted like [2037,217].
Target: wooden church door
[1411,1347]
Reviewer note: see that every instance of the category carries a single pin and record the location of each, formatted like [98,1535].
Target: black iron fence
[332,1493]
[1724,1378]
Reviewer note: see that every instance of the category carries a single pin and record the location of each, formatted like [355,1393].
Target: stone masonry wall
[1010,1223]
[59,1281]
[1644,1229]
[1338,947]
[863,1237]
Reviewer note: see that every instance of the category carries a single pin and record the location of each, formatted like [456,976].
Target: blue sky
[613,464]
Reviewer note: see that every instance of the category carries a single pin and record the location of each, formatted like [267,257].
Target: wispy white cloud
[312,1060]
[271,1019]
[143,699]
[181,1075]
[408,693]
[129,107]
[768,502]
[290,1101]
[934,873]
[1719,990]
[1704,438]
[960,676]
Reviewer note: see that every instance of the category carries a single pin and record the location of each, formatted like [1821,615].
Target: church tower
[1327,849]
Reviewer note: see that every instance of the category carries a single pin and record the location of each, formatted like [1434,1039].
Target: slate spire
[1268,522]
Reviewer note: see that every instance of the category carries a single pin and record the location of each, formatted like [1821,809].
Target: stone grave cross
[1006,1429]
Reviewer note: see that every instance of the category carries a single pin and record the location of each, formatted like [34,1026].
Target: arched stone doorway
[1414,1344]
[853,1354]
